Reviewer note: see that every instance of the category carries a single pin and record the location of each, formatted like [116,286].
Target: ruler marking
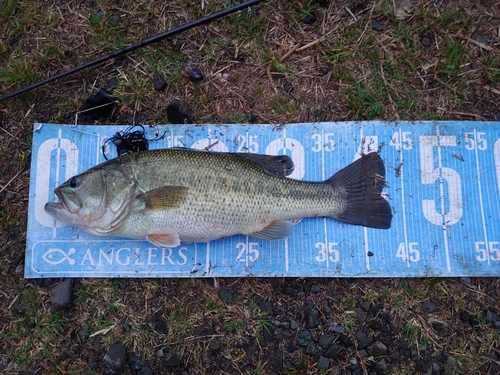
[405,232]
[481,206]
[441,198]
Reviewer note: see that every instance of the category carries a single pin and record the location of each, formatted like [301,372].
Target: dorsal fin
[279,165]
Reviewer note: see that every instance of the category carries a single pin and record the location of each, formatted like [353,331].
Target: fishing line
[133,47]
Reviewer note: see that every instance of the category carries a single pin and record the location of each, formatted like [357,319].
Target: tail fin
[363,182]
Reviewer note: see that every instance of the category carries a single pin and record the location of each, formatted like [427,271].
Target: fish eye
[76,181]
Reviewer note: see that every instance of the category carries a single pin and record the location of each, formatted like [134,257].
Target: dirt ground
[281,62]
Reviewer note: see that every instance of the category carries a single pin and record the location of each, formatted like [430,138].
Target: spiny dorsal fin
[164,198]
[280,165]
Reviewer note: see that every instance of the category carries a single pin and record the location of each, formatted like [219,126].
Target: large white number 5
[431,174]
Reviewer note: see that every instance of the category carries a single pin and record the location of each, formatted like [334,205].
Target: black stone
[430,306]
[60,295]
[426,41]
[464,316]
[422,365]
[333,352]
[214,345]
[489,368]
[438,327]
[179,112]
[312,349]
[204,331]
[304,338]
[252,118]
[315,288]
[114,359]
[377,349]
[171,362]
[195,75]
[312,319]
[291,291]
[363,340]
[323,363]
[287,87]
[309,19]
[227,295]
[145,371]
[136,362]
[159,83]
[112,83]
[325,341]
[381,367]
[377,26]
[268,334]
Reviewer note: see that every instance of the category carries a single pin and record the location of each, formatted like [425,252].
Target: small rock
[179,112]
[309,19]
[338,328]
[422,365]
[268,334]
[112,83]
[473,66]
[377,26]
[451,366]
[114,359]
[363,340]
[283,335]
[370,253]
[381,367]
[438,327]
[464,280]
[214,345]
[252,118]
[26,49]
[430,306]
[125,327]
[171,363]
[333,352]
[492,317]
[473,322]
[84,336]
[60,295]
[326,307]
[323,363]
[195,75]
[312,319]
[294,325]
[426,41]
[464,316]
[325,341]
[114,19]
[145,371]
[315,288]
[360,315]
[290,290]
[312,349]
[159,83]
[10,195]
[489,368]
[304,338]
[377,349]
[287,87]
[479,38]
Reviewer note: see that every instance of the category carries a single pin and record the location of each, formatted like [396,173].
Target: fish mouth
[62,204]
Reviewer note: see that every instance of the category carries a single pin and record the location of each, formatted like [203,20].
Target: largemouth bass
[179,195]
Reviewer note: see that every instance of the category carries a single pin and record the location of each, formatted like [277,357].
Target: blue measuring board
[443,186]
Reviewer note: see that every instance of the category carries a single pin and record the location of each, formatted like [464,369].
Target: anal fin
[277,230]
[164,240]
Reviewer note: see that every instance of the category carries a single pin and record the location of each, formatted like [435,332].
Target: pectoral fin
[164,240]
[164,198]
[274,231]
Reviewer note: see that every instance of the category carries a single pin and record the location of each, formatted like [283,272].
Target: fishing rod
[133,47]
